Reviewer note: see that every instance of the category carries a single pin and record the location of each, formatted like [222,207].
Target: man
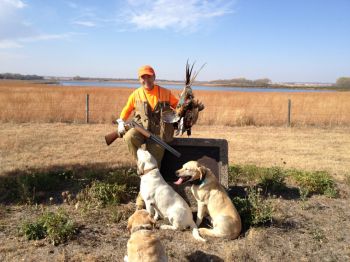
[148,102]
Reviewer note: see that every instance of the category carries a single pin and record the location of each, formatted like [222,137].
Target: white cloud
[18,43]
[9,10]
[10,57]
[85,23]
[86,16]
[72,4]
[12,24]
[15,30]
[178,15]
[13,3]
[44,37]
[6,44]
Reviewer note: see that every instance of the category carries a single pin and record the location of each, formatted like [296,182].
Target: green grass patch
[273,179]
[101,194]
[115,188]
[28,188]
[245,174]
[33,186]
[33,230]
[56,227]
[269,179]
[319,182]
[255,210]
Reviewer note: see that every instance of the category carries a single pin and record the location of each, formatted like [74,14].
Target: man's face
[147,81]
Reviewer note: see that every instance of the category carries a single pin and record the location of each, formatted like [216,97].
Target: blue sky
[284,40]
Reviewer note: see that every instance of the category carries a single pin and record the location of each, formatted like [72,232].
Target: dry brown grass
[43,145]
[22,101]
[271,109]
[307,234]
[312,231]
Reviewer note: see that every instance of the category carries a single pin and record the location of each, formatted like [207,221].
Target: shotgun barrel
[165,145]
[110,138]
[155,139]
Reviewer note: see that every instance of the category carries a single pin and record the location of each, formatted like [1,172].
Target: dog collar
[141,227]
[200,181]
[148,170]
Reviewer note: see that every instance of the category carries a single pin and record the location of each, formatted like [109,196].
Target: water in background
[209,88]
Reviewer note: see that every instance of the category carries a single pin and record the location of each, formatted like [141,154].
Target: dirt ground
[313,230]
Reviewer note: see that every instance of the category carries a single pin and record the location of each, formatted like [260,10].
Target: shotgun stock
[111,137]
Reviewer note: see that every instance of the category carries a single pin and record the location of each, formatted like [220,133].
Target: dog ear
[202,171]
[129,226]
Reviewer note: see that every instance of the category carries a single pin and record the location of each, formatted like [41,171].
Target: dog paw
[168,227]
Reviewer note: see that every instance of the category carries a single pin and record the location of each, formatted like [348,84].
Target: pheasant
[188,108]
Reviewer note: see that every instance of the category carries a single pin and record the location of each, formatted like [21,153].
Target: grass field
[28,102]
[40,161]
[311,229]
[39,145]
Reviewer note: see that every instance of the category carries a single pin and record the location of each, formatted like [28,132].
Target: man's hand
[121,126]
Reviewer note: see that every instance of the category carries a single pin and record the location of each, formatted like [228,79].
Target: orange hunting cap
[146,70]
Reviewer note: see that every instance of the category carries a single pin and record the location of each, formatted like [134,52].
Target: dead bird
[188,108]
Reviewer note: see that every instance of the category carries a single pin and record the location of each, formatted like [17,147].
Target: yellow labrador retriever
[143,245]
[212,199]
[161,198]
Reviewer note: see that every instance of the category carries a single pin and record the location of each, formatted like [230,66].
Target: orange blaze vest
[152,119]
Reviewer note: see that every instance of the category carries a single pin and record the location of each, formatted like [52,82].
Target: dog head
[192,171]
[140,220]
[145,161]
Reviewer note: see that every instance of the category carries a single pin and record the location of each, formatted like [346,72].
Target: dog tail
[195,233]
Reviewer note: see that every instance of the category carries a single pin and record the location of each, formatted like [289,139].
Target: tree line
[263,82]
[20,76]
[343,82]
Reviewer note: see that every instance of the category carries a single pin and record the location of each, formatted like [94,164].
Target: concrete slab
[212,153]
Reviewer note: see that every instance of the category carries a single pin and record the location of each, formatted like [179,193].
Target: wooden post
[289,111]
[87,108]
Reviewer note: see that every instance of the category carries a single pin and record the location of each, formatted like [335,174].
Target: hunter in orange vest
[148,103]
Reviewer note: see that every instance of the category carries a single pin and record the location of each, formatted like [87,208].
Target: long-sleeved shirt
[151,97]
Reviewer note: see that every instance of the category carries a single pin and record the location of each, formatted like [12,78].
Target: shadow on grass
[255,207]
[38,185]
[200,256]
[285,224]
[287,193]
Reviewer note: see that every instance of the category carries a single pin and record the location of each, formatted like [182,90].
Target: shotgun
[114,135]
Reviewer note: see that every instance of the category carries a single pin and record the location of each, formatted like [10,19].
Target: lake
[194,87]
